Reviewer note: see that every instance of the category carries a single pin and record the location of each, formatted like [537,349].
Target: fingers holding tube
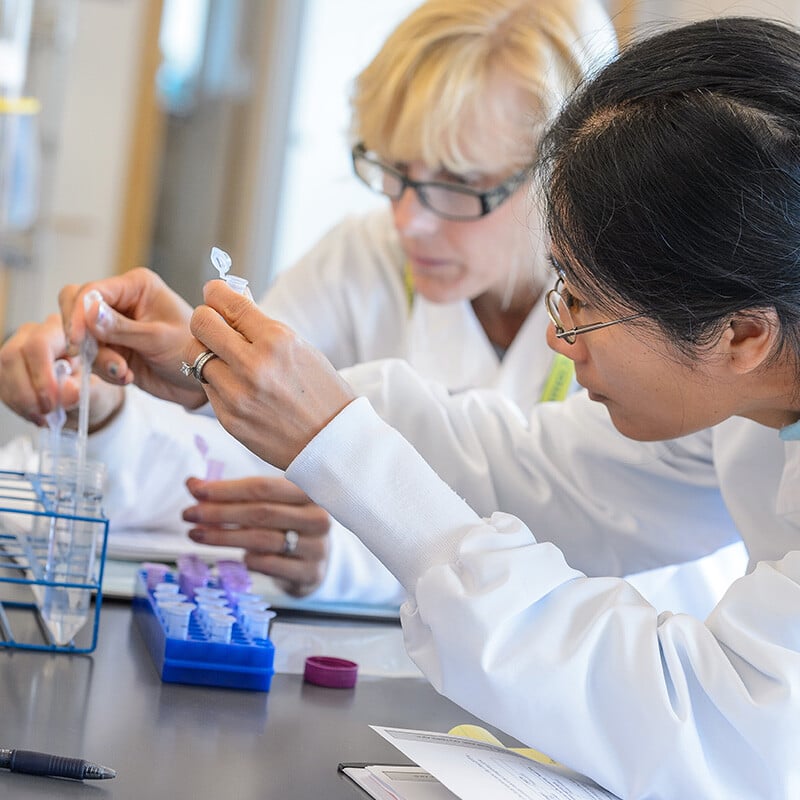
[142,328]
[270,389]
[28,383]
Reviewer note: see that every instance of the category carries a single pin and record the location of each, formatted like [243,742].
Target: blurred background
[142,132]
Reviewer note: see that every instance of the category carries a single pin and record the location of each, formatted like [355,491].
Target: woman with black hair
[673,180]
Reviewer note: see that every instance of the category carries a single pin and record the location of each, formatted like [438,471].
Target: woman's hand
[142,329]
[28,384]
[255,514]
[270,390]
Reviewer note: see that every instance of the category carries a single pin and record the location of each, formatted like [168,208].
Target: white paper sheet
[475,770]
[158,546]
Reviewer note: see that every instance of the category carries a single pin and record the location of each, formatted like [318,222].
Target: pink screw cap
[334,673]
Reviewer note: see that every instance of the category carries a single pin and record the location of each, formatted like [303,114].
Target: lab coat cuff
[377,485]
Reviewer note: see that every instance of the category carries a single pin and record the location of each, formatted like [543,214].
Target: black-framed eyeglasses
[447,200]
[559,302]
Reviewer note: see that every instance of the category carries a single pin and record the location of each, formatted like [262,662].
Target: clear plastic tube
[176,619]
[222,263]
[72,548]
[88,353]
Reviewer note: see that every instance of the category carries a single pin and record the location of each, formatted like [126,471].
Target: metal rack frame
[26,498]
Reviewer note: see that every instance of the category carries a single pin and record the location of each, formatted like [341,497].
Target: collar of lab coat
[788,501]
[448,344]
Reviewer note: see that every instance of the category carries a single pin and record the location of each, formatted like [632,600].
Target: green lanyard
[559,379]
[408,285]
[562,370]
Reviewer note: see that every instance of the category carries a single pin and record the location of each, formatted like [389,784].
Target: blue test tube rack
[243,663]
[26,509]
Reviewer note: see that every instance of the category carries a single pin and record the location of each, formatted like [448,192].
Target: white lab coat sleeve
[612,505]
[149,451]
[354,574]
[581,668]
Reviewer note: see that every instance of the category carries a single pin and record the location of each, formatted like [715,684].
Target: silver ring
[196,369]
[290,543]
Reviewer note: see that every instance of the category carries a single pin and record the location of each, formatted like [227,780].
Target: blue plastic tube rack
[25,505]
[244,663]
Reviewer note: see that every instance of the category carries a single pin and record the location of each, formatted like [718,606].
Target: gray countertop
[179,741]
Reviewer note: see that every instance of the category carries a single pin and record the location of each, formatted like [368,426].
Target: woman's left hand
[283,533]
[270,389]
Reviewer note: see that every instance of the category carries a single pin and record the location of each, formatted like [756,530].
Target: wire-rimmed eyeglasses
[559,301]
[447,200]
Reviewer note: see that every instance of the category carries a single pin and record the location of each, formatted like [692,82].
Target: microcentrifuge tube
[206,606]
[222,263]
[220,627]
[155,573]
[258,623]
[165,600]
[167,587]
[208,591]
[176,619]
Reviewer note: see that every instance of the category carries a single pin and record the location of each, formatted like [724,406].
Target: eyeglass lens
[441,199]
[557,300]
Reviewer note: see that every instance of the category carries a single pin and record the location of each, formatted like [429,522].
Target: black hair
[673,179]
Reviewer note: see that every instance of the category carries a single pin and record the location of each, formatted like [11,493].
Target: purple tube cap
[334,673]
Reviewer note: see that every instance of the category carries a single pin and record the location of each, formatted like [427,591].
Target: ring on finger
[290,540]
[196,369]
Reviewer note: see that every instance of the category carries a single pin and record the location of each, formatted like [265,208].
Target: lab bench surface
[175,741]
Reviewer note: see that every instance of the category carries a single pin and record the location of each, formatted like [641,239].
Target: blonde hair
[439,71]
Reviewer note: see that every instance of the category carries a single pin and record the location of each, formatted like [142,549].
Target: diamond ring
[196,369]
[290,543]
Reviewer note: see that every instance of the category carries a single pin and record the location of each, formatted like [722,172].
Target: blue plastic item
[27,511]
[244,663]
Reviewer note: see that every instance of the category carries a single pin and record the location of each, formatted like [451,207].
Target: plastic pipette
[58,416]
[88,353]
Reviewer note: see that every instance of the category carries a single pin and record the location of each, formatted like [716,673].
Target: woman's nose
[411,217]
[572,351]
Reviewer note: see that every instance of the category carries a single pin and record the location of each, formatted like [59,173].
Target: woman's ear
[751,339]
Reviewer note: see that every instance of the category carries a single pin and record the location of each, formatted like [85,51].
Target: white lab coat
[347,297]
[506,624]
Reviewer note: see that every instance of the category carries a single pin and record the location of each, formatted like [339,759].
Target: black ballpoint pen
[33,763]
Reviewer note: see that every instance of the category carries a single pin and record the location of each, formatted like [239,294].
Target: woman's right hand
[142,329]
[28,384]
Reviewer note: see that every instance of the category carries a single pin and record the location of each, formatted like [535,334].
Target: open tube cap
[334,673]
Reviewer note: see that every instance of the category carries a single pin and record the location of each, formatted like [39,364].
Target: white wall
[685,10]
[340,38]
[78,237]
